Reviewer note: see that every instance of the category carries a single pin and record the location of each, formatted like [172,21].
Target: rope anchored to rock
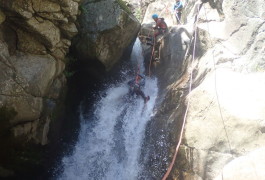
[190,85]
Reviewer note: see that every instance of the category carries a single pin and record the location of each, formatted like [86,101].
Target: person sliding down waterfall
[136,85]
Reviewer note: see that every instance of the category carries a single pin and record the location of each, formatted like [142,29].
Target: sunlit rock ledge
[227,76]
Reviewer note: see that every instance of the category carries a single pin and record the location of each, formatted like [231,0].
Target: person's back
[140,79]
[178,5]
[160,27]
[160,23]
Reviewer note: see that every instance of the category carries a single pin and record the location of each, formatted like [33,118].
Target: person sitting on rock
[177,10]
[136,85]
[160,27]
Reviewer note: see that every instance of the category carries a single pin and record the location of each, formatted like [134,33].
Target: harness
[161,24]
[178,6]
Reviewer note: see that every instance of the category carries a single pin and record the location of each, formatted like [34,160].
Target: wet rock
[105,33]
[56,88]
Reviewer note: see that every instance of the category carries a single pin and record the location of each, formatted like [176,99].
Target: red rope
[138,72]
[186,112]
[153,49]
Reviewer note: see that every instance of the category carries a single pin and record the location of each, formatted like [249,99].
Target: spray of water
[110,146]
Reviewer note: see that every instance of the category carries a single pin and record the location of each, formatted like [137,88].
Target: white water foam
[110,148]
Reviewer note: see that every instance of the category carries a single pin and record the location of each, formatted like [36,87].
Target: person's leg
[141,93]
[131,90]
[156,33]
[179,17]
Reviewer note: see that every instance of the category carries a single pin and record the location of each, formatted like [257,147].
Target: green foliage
[124,6]
[69,60]
[82,8]
[138,14]
[68,73]
[259,68]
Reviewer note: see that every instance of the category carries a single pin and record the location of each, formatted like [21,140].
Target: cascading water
[110,140]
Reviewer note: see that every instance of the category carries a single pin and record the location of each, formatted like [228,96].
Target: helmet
[154,16]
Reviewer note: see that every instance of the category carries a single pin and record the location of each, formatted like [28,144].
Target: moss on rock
[124,6]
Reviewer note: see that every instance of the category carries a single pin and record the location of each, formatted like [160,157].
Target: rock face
[105,33]
[249,166]
[34,39]
[226,108]
[226,104]
[138,7]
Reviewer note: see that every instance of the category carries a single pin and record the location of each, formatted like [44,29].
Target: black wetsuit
[135,87]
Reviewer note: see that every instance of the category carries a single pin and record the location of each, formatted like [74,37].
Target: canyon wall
[35,37]
[225,117]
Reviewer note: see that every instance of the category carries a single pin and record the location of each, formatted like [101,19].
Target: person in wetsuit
[136,85]
[160,27]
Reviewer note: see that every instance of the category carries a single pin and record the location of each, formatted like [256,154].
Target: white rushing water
[109,147]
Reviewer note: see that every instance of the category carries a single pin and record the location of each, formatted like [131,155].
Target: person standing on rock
[160,27]
[177,10]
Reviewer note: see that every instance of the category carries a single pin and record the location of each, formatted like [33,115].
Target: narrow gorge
[64,106]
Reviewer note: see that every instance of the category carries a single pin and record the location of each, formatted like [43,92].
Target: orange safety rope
[165,8]
[138,72]
[152,54]
[153,49]
[186,112]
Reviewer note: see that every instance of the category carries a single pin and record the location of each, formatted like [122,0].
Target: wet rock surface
[105,33]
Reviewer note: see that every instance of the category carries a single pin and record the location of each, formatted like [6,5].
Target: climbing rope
[188,103]
[178,18]
[215,85]
[165,8]
[137,72]
[154,40]
[152,54]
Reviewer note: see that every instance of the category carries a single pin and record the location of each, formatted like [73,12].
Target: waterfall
[110,139]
